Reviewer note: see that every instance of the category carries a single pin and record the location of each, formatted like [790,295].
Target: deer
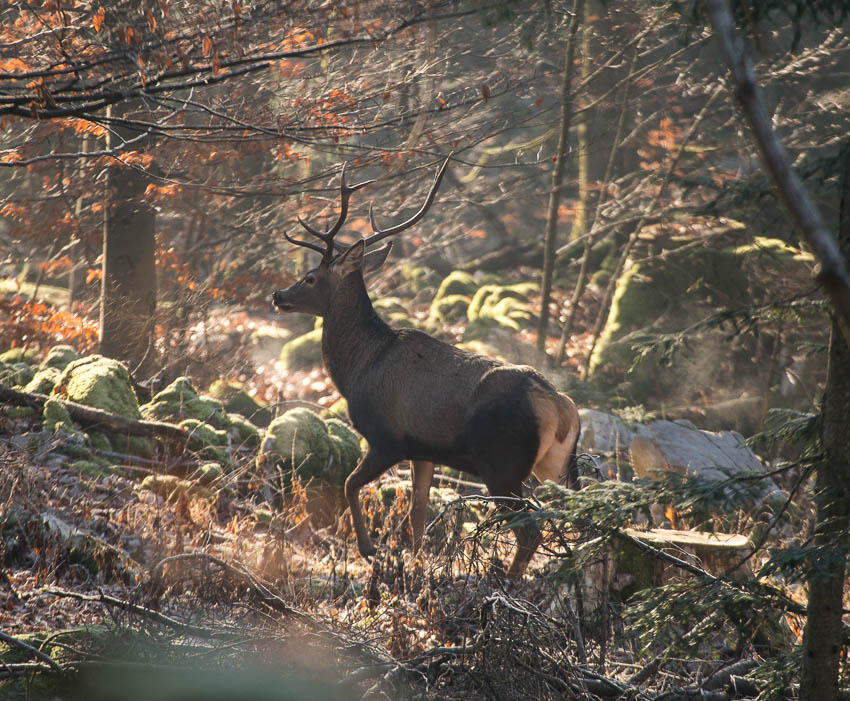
[414,397]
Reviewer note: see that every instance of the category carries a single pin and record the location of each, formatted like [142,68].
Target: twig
[44,657]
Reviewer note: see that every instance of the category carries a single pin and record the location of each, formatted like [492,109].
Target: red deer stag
[414,397]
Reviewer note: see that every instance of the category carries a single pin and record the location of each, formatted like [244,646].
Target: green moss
[102,383]
[448,308]
[303,352]
[419,277]
[646,292]
[18,412]
[93,467]
[345,445]
[299,441]
[457,282]
[16,374]
[44,380]
[209,474]
[18,355]
[338,410]
[207,441]
[180,401]
[59,357]
[246,433]
[55,415]
[236,400]
[99,441]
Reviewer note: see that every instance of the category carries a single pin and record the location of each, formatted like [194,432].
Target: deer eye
[310,279]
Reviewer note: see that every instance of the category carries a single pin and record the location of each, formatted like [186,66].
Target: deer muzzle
[279,300]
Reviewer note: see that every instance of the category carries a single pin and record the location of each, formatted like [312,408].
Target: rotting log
[91,417]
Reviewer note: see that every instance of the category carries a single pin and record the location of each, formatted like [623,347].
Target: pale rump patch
[558,423]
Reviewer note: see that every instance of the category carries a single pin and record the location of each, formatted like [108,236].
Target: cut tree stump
[633,568]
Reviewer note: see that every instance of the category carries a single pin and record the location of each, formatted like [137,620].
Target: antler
[432,193]
[328,236]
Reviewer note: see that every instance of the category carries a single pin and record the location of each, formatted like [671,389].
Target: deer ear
[350,261]
[374,260]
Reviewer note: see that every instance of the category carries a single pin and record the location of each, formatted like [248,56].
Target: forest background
[605,217]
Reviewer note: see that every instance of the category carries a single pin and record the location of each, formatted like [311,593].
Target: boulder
[18,355]
[236,400]
[44,380]
[17,374]
[180,401]
[303,352]
[682,447]
[345,446]
[99,382]
[298,441]
[673,445]
[243,431]
[457,282]
[104,383]
[59,357]
[605,433]
[208,442]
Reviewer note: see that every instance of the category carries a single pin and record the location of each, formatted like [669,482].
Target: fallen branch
[89,416]
[34,651]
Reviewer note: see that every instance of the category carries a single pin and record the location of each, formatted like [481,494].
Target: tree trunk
[558,177]
[128,285]
[583,274]
[824,633]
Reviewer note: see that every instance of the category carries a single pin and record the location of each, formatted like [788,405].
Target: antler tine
[306,244]
[327,237]
[381,234]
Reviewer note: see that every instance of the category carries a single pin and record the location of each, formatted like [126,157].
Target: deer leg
[371,467]
[423,474]
[528,536]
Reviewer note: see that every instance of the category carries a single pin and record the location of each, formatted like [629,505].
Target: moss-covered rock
[59,357]
[18,355]
[17,412]
[337,410]
[449,308]
[500,300]
[245,432]
[457,282]
[303,352]
[419,277]
[104,383]
[54,416]
[299,441]
[236,400]
[180,401]
[44,380]
[99,382]
[16,374]
[667,295]
[209,474]
[93,467]
[208,442]
[345,446]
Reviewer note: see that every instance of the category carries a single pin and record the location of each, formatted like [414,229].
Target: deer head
[312,294]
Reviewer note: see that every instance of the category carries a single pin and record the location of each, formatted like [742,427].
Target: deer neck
[352,333]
